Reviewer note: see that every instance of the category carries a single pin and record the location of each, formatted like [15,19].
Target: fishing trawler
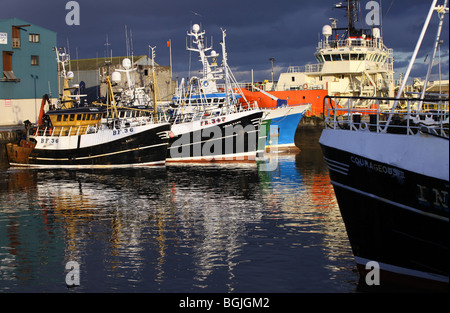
[205,93]
[389,167]
[211,123]
[73,136]
[351,61]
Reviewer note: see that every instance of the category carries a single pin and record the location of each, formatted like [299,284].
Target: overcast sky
[286,30]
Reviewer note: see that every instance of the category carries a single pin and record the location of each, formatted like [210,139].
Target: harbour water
[216,228]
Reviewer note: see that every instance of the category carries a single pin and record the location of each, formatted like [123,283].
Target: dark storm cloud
[256,30]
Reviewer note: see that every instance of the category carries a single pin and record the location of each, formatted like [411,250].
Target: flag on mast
[169,45]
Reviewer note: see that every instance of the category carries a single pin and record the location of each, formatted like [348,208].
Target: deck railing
[372,114]
[111,123]
[206,111]
[355,43]
[61,131]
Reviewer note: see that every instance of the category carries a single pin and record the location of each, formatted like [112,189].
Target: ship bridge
[351,61]
[354,55]
[354,66]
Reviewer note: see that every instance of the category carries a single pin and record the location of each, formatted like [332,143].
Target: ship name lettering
[125,130]
[49,140]
[432,196]
[380,168]
[212,121]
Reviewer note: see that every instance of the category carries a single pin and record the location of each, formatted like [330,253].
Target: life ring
[305,86]
[205,83]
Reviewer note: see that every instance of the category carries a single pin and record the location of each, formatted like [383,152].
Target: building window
[36,38]
[35,60]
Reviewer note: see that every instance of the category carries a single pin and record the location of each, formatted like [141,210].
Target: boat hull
[394,215]
[232,137]
[132,146]
[285,120]
[292,97]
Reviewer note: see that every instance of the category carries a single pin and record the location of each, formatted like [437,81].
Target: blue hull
[287,126]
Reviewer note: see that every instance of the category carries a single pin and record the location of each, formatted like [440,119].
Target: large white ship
[351,61]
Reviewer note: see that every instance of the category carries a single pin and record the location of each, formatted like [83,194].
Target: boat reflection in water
[200,228]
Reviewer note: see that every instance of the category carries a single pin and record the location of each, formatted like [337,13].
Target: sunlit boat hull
[230,137]
[132,146]
[394,206]
[285,120]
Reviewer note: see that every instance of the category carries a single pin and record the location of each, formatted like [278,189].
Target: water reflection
[215,228]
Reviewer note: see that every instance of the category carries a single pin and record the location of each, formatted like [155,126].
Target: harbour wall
[307,134]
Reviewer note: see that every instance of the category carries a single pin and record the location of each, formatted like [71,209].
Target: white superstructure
[351,62]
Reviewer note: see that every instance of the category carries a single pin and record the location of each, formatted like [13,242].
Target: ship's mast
[225,68]
[352,8]
[352,12]
[155,85]
[63,58]
[200,49]
[209,79]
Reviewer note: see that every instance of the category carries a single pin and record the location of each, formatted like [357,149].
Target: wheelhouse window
[337,57]
[319,58]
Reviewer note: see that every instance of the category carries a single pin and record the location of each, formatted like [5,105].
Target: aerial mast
[155,86]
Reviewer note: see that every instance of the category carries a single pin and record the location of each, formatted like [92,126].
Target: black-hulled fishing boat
[211,123]
[390,172]
[392,189]
[74,136]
